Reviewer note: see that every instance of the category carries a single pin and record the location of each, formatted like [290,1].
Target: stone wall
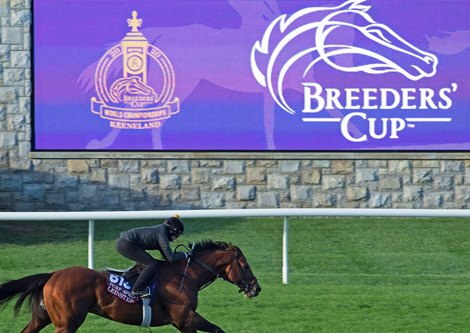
[83,183]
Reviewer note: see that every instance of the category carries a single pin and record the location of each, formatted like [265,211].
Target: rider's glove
[187,254]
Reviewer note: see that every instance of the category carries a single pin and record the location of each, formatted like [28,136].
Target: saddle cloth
[120,283]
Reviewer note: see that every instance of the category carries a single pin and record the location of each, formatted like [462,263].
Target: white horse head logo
[379,48]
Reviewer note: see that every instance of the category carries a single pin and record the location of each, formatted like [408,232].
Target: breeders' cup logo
[377,48]
[138,98]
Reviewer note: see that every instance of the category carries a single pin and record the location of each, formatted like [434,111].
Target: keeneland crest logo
[380,48]
[139,97]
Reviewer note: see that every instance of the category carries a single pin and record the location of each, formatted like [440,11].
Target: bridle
[244,283]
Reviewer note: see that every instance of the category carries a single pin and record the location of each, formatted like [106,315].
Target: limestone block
[10,183]
[443,182]
[342,167]
[400,167]
[200,176]
[78,166]
[7,139]
[234,167]
[412,193]
[17,3]
[356,193]
[13,76]
[364,176]
[289,166]
[98,175]
[390,183]
[268,200]
[55,199]
[223,183]
[301,193]
[311,177]
[119,180]
[452,166]
[20,17]
[170,182]
[246,193]
[8,95]
[331,182]
[213,200]
[12,35]
[324,200]
[150,176]
[179,166]
[256,175]
[33,192]
[422,176]
[66,182]
[278,182]
[190,194]
[128,166]
[380,200]
[20,59]
[88,192]
[462,194]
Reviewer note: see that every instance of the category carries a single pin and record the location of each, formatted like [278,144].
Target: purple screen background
[222,104]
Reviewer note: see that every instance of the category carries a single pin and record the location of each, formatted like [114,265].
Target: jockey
[133,244]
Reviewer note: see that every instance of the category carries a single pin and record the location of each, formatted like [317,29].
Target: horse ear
[357,5]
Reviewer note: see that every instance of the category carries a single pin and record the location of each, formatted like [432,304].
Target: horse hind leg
[36,325]
[40,318]
[66,319]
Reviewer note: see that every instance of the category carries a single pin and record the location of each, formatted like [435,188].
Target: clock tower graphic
[131,101]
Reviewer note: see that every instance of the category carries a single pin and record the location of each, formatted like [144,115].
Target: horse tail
[29,287]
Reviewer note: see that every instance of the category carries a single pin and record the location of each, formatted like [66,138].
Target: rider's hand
[188,254]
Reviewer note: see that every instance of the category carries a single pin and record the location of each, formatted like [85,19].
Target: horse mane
[208,245]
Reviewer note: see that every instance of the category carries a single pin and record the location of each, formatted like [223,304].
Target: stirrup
[142,292]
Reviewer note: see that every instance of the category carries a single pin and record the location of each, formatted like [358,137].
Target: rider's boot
[140,287]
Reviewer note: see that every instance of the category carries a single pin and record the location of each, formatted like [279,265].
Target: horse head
[228,262]
[345,37]
[376,47]
[238,272]
[133,91]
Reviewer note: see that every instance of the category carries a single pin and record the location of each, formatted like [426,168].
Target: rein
[243,284]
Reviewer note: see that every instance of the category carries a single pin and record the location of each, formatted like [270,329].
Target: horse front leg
[196,322]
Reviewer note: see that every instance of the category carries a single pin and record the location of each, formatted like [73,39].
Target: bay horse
[65,297]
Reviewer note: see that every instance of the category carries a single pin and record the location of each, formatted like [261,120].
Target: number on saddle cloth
[121,281]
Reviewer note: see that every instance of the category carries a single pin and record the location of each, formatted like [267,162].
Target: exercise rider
[134,243]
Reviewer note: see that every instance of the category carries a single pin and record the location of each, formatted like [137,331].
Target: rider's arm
[166,249]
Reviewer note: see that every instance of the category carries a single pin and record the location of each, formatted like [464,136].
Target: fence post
[285,244]
[91,240]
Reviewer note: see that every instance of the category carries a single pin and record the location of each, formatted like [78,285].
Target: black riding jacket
[153,238]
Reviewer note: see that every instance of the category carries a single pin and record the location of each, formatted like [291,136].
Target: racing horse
[65,297]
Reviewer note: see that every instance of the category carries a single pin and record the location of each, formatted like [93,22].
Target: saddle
[130,275]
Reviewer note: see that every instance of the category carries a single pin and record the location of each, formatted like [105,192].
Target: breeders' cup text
[317,99]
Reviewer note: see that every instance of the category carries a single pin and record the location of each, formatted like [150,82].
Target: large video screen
[258,75]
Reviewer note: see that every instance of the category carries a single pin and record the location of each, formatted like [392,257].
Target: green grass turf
[346,274]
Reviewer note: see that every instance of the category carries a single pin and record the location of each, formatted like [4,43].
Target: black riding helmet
[175,225]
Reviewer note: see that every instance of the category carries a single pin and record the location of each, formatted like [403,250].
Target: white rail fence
[91,217]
